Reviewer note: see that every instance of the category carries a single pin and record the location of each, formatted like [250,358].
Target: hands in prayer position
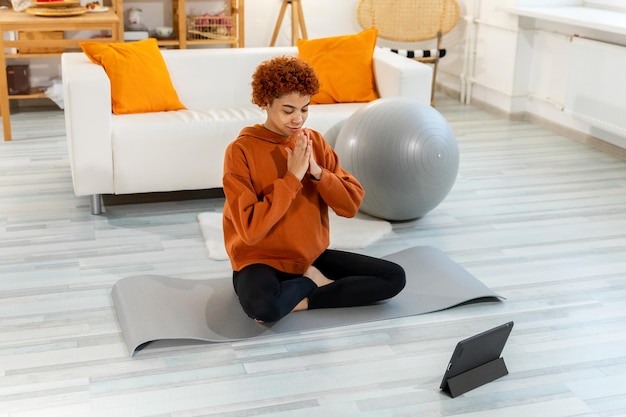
[300,160]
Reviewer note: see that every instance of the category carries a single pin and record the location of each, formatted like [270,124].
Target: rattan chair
[411,21]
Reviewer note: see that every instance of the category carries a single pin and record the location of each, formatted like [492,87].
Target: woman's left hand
[314,169]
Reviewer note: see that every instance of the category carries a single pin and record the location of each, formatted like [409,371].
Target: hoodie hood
[259,131]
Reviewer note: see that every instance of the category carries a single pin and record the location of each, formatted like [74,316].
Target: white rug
[346,234]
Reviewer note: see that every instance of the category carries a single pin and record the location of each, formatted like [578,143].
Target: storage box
[40,36]
[18,79]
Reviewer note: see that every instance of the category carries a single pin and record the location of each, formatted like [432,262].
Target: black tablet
[471,356]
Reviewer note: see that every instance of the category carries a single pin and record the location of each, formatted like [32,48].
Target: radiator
[596,85]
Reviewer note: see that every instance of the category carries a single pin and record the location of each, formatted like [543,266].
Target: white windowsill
[585,17]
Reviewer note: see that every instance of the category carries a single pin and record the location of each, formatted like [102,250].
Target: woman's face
[286,115]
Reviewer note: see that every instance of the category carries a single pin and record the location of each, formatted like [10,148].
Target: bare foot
[302,305]
[317,277]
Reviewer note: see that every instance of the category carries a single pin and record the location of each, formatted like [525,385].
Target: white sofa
[183,150]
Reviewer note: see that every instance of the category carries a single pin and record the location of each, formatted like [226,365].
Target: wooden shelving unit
[185,35]
[183,38]
[111,21]
[12,21]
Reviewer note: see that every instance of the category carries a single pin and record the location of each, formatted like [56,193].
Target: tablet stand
[474,378]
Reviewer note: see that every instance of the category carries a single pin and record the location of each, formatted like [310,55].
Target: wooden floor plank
[536,216]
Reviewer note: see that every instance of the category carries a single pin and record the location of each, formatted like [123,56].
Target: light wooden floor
[539,218]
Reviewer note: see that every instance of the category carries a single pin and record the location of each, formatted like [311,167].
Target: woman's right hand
[298,158]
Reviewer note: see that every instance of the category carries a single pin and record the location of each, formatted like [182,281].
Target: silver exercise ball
[403,153]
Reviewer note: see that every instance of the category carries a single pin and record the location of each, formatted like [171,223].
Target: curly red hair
[282,75]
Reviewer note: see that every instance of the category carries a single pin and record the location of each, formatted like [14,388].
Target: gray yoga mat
[153,308]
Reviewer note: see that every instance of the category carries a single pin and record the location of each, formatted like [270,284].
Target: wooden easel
[297,21]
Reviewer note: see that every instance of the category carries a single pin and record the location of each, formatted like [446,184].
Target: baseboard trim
[577,136]
[589,140]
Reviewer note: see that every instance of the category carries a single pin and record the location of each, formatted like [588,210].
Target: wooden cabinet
[189,31]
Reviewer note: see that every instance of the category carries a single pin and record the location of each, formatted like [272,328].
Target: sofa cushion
[170,151]
[217,77]
[343,65]
[140,81]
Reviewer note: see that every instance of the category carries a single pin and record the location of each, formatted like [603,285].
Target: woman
[279,180]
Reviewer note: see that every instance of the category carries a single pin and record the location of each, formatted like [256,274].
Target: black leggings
[267,294]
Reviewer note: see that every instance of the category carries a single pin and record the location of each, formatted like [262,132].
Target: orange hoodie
[272,218]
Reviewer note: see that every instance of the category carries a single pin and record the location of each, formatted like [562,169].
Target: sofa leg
[96,204]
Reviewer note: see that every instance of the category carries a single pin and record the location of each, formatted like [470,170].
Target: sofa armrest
[396,75]
[87,102]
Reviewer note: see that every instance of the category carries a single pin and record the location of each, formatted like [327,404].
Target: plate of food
[98,10]
[95,7]
[55,3]
[56,11]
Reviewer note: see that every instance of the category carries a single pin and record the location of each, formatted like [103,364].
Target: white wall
[322,18]
[517,66]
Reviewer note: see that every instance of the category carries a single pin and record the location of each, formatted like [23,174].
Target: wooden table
[22,22]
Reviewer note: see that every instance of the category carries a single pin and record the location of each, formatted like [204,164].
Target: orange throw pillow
[140,80]
[343,65]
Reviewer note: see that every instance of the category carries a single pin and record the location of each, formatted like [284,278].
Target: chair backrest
[408,20]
